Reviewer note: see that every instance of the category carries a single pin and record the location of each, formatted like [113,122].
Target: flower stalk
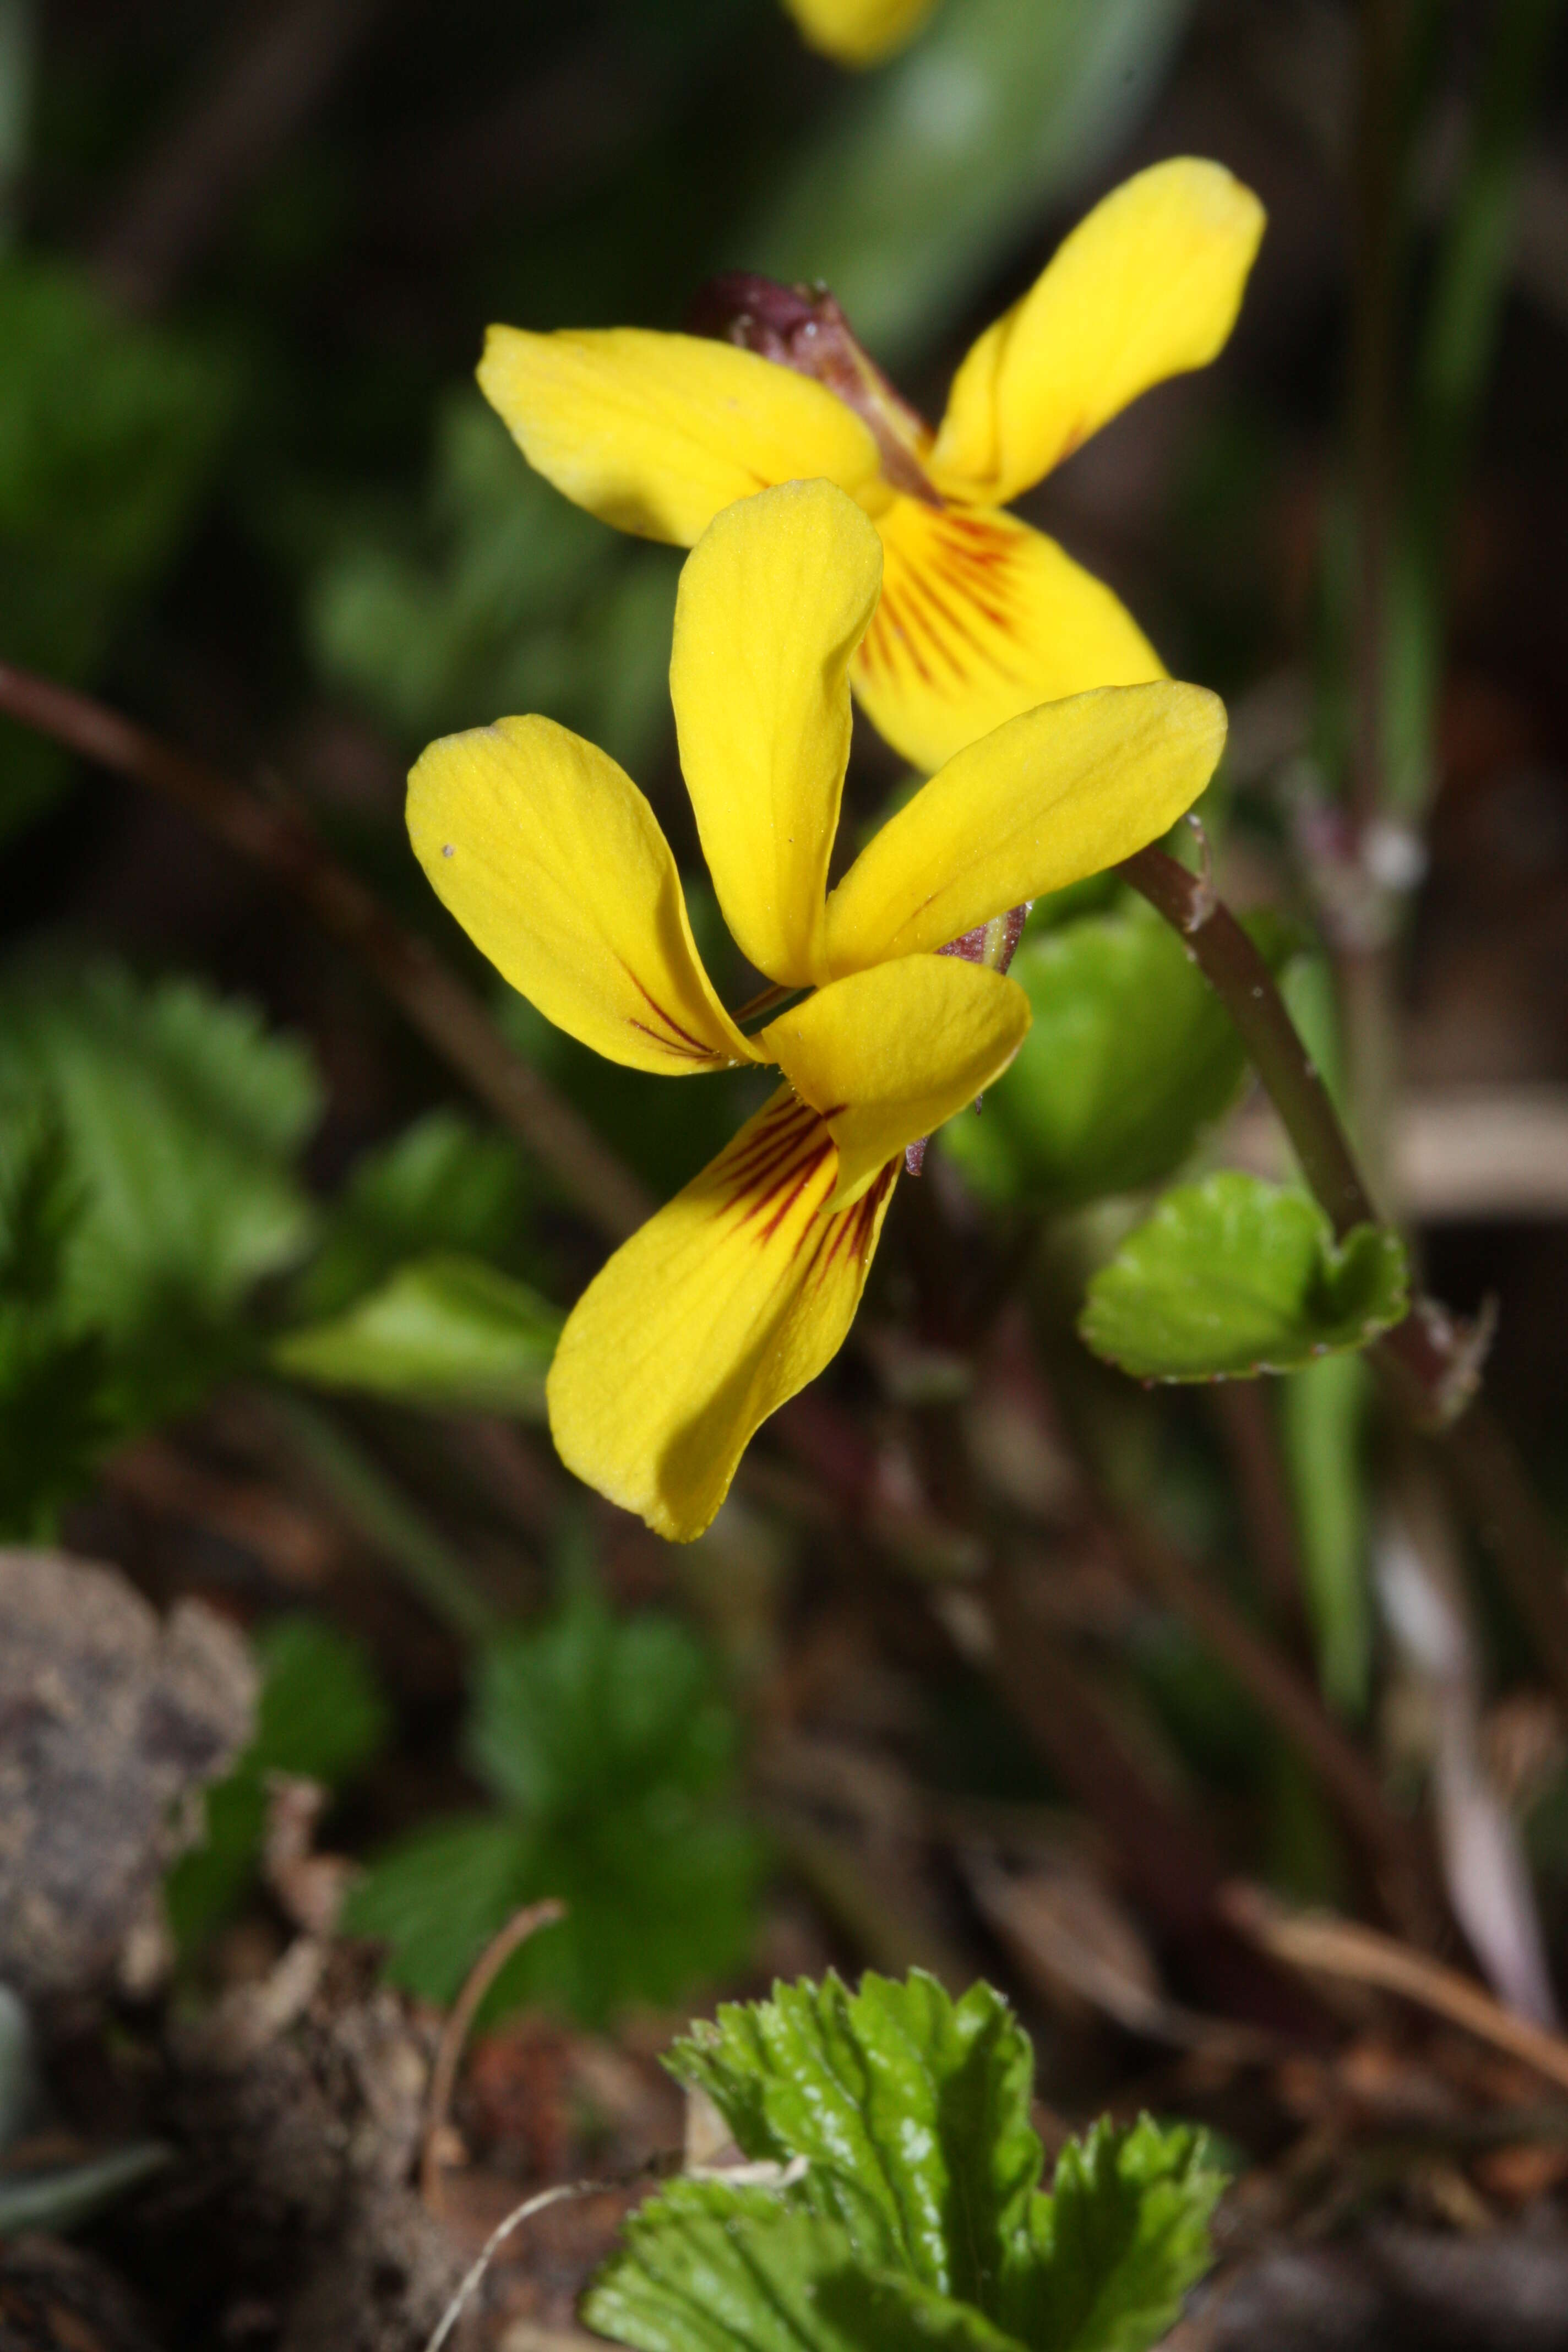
[1430,1361]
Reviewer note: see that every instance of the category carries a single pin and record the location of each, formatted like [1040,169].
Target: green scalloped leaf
[610,1751]
[905,2211]
[913,2110]
[1234,1276]
[444,1331]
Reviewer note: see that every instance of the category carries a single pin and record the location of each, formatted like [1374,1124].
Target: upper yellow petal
[555,864]
[1146,286]
[981,619]
[858,32]
[773,601]
[655,432]
[1063,791]
[886,1054]
[723,1305]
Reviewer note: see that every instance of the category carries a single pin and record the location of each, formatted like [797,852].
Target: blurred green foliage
[54,1409]
[110,432]
[610,1755]
[921,176]
[1130,1058]
[499,596]
[321,1716]
[445,1183]
[147,1184]
[443,1331]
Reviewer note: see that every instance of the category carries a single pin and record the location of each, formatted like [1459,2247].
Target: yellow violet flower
[738,1292]
[858,32]
[981,616]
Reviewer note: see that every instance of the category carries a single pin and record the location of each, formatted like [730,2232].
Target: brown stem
[522,1924]
[1240,977]
[446,1013]
[1323,1945]
[1430,1361]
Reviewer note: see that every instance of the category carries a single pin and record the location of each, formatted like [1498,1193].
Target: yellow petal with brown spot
[887,1054]
[721,1308]
[981,619]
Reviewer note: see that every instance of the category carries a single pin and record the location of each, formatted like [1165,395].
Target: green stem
[375,1508]
[1453,364]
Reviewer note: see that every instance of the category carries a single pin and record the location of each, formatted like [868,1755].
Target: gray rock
[109,1718]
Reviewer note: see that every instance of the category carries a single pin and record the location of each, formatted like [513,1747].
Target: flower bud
[803,328]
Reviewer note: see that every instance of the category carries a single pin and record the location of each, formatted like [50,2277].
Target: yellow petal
[1061,793]
[1146,288]
[981,619]
[773,601]
[721,1308]
[858,32]
[886,1056]
[553,863]
[655,432]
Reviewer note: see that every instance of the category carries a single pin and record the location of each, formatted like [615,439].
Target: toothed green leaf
[710,2268]
[904,2210]
[911,2109]
[1121,2238]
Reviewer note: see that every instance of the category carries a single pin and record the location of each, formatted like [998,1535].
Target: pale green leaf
[445,1331]
[913,2110]
[1234,1276]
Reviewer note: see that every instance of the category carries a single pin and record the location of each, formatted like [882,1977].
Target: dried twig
[1340,1948]
[455,2034]
[474,2277]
